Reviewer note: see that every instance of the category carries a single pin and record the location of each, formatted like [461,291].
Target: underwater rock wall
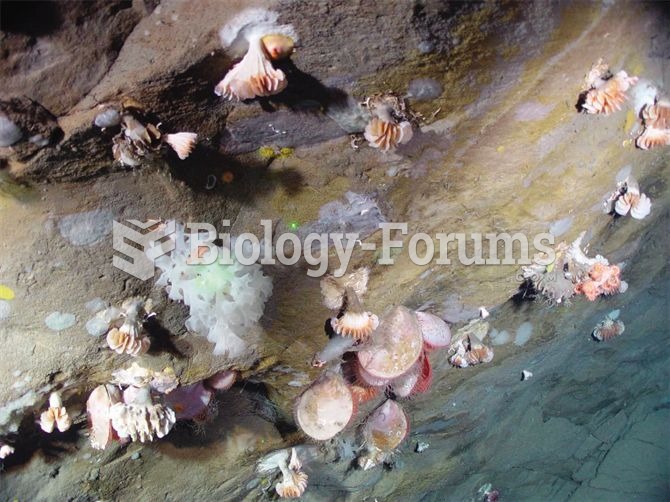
[501,148]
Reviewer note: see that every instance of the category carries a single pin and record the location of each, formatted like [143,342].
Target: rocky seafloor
[499,147]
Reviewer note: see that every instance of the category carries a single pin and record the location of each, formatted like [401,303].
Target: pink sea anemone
[190,402]
[326,407]
[602,280]
[394,347]
[98,408]
[436,333]
[383,431]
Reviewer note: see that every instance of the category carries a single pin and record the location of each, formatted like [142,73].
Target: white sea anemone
[257,32]
[139,418]
[182,143]
[5,451]
[251,77]
[55,416]
[225,300]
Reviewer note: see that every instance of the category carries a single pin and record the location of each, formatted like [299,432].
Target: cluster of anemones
[141,404]
[138,137]
[602,280]
[572,272]
[369,357]
[604,92]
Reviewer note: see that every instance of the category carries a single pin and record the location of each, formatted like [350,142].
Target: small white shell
[525,375]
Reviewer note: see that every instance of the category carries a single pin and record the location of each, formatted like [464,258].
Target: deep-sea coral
[628,199]
[55,416]
[656,123]
[286,461]
[225,300]
[603,279]
[139,418]
[383,431]
[390,124]
[265,40]
[603,92]
[325,408]
[336,347]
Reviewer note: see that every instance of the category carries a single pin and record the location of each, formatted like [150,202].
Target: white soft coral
[225,300]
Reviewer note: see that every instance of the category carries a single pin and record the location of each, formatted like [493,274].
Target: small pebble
[421,446]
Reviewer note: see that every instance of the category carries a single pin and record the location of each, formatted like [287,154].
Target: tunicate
[523,333]
[85,229]
[59,321]
[424,89]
